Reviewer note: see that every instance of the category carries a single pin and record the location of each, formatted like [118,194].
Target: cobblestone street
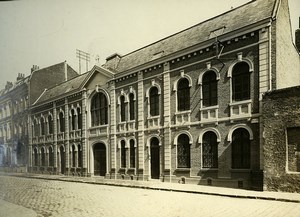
[57,198]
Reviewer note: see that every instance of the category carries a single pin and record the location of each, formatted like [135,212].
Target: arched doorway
[62,160]
[155,161]
[99,152]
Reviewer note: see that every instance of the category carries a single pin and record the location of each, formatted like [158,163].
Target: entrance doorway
[155,160]
[62,160]
[99,159]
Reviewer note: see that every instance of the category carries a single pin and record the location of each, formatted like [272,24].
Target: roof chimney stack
[34,68]
[66,70]
[297,37]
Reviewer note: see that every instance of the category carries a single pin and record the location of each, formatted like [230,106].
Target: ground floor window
[293,149]
[183,152]
[240,149]
[210,150]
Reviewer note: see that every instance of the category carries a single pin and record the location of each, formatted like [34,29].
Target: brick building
[183,109]
[15,101]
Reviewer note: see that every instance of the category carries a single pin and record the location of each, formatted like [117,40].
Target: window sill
[240,102]
[209,107]
[209,169]
[240,170]
[183,112]
[183,169]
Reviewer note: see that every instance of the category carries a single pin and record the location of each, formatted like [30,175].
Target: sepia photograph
[150,108]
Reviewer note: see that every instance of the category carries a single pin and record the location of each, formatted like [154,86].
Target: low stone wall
[281,122]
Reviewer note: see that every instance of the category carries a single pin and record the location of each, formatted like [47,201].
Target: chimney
[34,68]
[66,70]
[20,76]
[297,37]
[114,60]
[8,85]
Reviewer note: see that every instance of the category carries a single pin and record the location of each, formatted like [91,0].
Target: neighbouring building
[187,108]
[281,119]
[15,101]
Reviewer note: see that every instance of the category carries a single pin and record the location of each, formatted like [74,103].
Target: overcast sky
[43,33]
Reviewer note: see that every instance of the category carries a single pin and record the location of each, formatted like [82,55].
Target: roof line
[226,12]
[40,96]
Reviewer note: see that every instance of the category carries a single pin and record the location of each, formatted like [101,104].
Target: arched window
[183,95]
[35,157]
[43,159]
[183,151]
[210,150]
[79,156]
[35,128]
[123,154]
[240,82]
[51,157]
[154,101]
[99,109]
[50,124]
[73,119]
[61,122]
[210,89]
[132,154]
[42,126]
[79,118]
[122,108]
[73,156]
[131,107]
[240,149]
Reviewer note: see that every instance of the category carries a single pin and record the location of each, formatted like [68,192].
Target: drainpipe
[270,59]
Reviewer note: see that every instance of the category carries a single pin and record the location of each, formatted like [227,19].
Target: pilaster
[55,135]
[113,142]
[167,119]
[85,125]
[140,116]
[67,148]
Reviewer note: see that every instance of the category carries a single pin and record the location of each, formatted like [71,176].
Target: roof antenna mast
[81,55]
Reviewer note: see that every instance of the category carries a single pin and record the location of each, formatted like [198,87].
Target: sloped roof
[247,14]
[63,88]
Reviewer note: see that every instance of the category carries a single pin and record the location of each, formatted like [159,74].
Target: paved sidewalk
[166,186]
[11,210]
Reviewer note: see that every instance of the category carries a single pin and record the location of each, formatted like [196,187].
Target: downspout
[270,59]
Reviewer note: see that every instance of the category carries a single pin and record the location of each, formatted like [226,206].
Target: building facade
[15,100]
[184,109]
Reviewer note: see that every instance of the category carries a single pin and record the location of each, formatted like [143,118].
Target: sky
[44,33]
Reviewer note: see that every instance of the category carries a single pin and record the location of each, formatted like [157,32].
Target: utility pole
[81,55]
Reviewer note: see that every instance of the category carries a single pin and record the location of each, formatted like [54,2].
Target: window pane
[183,95]
[131,107]
[183,151]
[240,82]
[210,150]
[132,154]
[123,154]
[122,107]
[240,149]
[154,101]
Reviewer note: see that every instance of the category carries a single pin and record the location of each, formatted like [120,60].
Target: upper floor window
[183,152]
[210,89]
[240,149]
[210,150]
[61,122]
[240,82]
[122,108]
[183,95]
[50,124]
[79,118]
[131,107]
[35,128]
[99,109]
[154,101]
[73,119]
[42,126]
